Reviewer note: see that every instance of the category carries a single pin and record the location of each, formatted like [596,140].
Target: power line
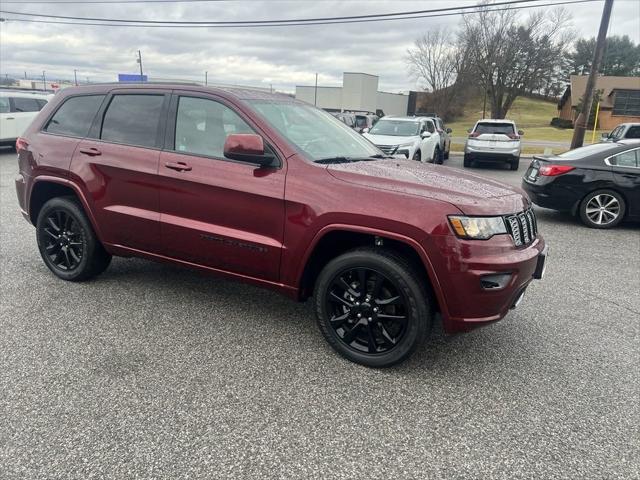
[105,22]
[280,21]
[106,2]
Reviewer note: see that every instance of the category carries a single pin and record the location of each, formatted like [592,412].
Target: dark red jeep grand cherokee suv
[275,192]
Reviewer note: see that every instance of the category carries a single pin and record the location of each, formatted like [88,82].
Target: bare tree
[437,62]
[510,57]
[433,60]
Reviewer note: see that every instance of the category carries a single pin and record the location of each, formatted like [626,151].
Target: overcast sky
[282,56]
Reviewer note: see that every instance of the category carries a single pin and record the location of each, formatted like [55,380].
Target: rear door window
[133,119]
[75,116]
[22,104]
[633,132]
[495,128]
[4,105]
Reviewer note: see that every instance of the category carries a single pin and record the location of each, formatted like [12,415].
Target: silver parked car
[622,132]
[495,141]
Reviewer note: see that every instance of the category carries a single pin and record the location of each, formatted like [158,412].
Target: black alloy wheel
[367,311]
[67,242]
[372,307]
[63,240]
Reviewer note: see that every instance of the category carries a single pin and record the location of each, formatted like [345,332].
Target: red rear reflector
[513,136]
[474,135]
[21,144]
[553,170]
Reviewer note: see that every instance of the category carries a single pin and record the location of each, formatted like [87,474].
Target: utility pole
[140,62]
[315,95]
[205,78]
[44,81]
[75,76]
[583,118]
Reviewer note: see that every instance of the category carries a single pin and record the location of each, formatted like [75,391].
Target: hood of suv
[390,139]
[472,194]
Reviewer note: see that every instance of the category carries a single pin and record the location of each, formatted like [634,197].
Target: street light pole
[315,95]
[75,76]
[140,62]
[205,78]
[44,81]
[580,126]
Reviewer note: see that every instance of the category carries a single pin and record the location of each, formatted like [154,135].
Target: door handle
[11,118]
[178,166]
[92,151]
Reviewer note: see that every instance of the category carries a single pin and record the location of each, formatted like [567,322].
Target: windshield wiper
[377,156]
[335,160]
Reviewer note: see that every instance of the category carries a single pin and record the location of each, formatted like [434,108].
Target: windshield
[395,128]
[317,133]
[588,150]
[494,128]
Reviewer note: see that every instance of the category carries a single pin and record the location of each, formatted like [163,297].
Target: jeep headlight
[479,228]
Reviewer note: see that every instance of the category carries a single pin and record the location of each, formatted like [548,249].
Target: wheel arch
[334,240]
[576,208]
[46,187]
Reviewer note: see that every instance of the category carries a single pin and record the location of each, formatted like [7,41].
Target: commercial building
[359,93]
[619,100]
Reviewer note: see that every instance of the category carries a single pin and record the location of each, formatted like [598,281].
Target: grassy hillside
[531,115]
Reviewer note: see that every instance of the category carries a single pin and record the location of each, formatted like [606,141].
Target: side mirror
[520,132]
[365,130]
[449,130]
[247,147]
[469,130]
[425,134]
[604,136]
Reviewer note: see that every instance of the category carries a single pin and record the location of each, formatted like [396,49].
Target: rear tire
[446,154]
[372,307]
[515,164]
[602,209]
[67,243]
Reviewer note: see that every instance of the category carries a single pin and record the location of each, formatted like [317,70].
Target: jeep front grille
[522,227]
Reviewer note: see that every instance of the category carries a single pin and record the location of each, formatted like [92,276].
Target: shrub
[561,123]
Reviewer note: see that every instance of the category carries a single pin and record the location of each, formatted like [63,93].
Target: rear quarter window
[75,115]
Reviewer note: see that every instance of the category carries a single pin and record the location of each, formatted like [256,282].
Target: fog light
[495,281]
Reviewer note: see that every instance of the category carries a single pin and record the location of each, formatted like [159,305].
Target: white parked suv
[493,140]
[17,110]
[407,137]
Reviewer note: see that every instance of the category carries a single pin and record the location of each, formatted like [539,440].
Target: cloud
[282,56]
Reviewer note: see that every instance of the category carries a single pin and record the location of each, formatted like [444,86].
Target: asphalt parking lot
[151,371]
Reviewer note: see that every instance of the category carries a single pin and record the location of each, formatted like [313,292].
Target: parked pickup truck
[272,191]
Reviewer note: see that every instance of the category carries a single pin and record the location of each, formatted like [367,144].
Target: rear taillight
[21,144]
[553,170]
[474,134]
[513,136]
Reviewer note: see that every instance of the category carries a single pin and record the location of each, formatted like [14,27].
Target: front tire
[446,154]
[437,157]
[602,209]
[67,243]
[467,162]
[372,307]
[417,156]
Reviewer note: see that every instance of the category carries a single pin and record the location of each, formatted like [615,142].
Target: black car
[599,182]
